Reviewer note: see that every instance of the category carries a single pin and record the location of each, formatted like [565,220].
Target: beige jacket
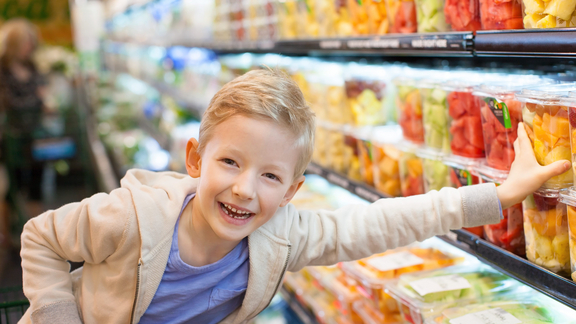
[124,238]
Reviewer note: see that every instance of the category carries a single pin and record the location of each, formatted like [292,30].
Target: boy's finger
[556,168]
[523,136]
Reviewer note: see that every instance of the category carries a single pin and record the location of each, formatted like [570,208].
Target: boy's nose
[244,188]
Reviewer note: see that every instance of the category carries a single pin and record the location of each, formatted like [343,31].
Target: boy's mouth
[235,213]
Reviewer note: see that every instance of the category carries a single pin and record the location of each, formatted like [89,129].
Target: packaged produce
[338,154]
[435,117]
[402,16]
[430,15]
[425,294]
[374,272]
[497,14]
[306,24]
[321,149]
[509,233]
[371,315]
[369,17]
[343,290]
[326,93]
[463,15]
[466,137]
[365,157]
[526,312]
[334,18]
[409,104]
[436,173]
[411,171]
[546,230]
[546,118]
[568,196]
[496,102]
[549,14]
[366,91]
[386,160]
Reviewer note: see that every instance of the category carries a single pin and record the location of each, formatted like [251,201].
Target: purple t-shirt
[205,294]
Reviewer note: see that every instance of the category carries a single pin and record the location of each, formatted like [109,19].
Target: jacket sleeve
[88,231]
[355,232]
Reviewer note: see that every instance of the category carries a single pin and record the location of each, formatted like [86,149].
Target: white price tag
[395,261]
[491,316]
[438,284]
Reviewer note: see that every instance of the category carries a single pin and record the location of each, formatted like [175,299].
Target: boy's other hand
[526,174]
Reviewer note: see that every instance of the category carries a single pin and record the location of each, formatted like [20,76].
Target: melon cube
[562,9]
[559,127]
[546,22]
[561,248]
[531,20]
[540,151]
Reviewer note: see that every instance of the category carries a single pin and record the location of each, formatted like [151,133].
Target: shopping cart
[13,304]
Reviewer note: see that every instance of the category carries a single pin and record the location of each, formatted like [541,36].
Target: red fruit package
[463,15]
[509,233]
[467,139]
[499,14]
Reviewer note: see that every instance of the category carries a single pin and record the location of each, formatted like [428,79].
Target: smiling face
[246,172]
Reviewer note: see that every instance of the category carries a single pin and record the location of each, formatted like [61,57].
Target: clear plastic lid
[430,154]
[366,72]
[431,291]
[568,196]
[462,163]
[466,81]
[509,84]
[376,271]
[524,310]
[407,146]
[547,94]
[389,134]
[490,174]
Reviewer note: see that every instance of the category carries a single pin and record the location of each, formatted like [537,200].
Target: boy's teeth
[234,209]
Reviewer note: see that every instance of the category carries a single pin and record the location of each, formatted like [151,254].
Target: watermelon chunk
[501,14]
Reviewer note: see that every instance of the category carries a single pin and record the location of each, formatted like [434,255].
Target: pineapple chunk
[561,248]
[534,6]
[531,20]
[562,9]
[546,22]
[544,248]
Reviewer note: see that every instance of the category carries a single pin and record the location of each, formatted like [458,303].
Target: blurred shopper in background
[22,90]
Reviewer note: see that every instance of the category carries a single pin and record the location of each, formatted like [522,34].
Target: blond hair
[267,94]
[13,34]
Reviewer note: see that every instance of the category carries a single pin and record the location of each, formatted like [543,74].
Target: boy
[212,246]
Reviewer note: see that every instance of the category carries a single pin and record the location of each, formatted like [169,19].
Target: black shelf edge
[428,44]
[304,314]
[554,42]
[550,284]
[359,189]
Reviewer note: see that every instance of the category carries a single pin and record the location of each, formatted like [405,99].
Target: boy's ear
[292,190]
[193,159]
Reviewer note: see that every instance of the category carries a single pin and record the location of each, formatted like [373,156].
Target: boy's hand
[526,174]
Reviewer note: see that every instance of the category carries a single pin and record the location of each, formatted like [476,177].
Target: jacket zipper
[283,272]
[137,291]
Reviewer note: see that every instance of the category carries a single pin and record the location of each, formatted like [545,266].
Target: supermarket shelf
[543,280]
[361,190]
[557,42]
[429,44]
[107,180]
[162,139]
[304,314]
[550,43]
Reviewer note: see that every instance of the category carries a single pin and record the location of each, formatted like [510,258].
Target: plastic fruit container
[374,272]
[509,233]
[435,117]
[365,156]
[371,315]
[496,102]
[512,311]
[333,18]
[409,104]
[463,15]
[430,15]
[436,173]
[359,16]
[425,294]
[572,119]
[320,154]
[546,118]
[386,158]
[497,14]
[466,137]
[352,155]
[546,230]
[402,16]
[327,95]
[411,170]
[306,24]
[568,196]
[343,290]
[378,21]
[338,154]
[366,92]
[549,14]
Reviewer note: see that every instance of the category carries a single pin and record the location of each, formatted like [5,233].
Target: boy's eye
[229,161]
[271,176]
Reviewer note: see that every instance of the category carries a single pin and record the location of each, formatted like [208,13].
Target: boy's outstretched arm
[354,232]
[89,231]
